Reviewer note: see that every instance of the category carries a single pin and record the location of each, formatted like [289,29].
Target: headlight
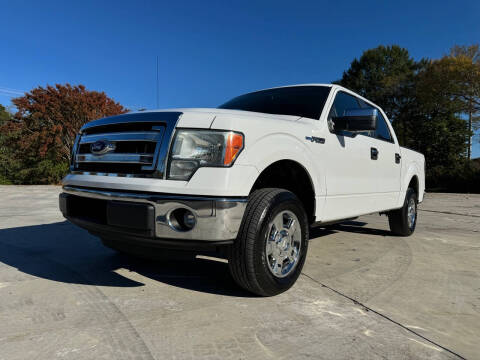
[196,148]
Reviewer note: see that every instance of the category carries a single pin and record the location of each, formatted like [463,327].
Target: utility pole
[158,95]
[469,150]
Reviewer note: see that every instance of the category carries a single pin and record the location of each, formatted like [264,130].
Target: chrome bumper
[217,219]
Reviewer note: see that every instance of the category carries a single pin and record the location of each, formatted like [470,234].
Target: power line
[10,92]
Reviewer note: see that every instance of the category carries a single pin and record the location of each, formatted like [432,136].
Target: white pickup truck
[246,179]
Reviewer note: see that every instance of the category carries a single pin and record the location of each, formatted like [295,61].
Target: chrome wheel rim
[411,213]
[283,245]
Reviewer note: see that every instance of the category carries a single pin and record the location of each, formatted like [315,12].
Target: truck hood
[203,117]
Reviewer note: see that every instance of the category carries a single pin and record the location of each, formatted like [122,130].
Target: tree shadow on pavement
[346,226]
[359,228]
[64,253]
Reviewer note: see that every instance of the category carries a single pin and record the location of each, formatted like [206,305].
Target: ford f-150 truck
[246,179]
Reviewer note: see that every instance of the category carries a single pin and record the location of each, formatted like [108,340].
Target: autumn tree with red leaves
[41,133]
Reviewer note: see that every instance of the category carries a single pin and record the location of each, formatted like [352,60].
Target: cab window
[382,131]
[342,102]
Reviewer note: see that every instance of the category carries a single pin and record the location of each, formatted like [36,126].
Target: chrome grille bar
[116,158]
[130,136]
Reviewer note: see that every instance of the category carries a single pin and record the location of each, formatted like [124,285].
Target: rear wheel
[404,220]
[269,252]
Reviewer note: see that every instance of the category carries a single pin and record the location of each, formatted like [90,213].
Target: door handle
[398,157]
[373,153]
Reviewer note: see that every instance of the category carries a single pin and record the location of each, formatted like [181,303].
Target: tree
[5,116]
[385,75]
[463,69]
[435,127]
[41,133]
[452,84]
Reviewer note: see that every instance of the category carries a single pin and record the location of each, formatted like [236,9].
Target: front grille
[134,144]
[134,148]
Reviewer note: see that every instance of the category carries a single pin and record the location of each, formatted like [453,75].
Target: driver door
[350,175]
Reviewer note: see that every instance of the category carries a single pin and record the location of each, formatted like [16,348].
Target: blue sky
[210,51]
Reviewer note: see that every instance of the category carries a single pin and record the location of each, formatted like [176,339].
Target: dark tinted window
[382,131]
[343,101]
[363,104]
[305,101]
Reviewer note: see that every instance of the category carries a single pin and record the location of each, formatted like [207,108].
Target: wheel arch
[290,175]
[411,179]
[414,184]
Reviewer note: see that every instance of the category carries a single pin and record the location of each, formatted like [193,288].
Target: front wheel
[404,220]
[270,250]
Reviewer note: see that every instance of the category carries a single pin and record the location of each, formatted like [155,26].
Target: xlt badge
[315,139]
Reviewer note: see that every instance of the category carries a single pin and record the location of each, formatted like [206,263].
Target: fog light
[182,219]
[189,219]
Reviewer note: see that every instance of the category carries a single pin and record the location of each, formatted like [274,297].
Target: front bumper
[145,216]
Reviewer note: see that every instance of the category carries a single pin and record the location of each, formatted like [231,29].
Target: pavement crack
[450,213]
[386,317]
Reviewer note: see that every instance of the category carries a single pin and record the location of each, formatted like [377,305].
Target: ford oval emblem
[101,147]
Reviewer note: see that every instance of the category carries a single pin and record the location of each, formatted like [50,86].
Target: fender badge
[315,139]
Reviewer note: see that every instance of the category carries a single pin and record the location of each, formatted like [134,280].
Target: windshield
[304,101]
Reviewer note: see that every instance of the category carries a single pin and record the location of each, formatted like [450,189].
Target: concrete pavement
[363,294]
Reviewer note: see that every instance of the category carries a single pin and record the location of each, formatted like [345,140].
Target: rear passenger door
[387,165]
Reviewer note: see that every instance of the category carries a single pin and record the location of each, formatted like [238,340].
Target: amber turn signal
[233,148]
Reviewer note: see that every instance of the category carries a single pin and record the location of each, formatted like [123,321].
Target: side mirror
[356,120]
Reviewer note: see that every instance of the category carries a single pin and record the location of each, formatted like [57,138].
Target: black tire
[398,219]
[247,256]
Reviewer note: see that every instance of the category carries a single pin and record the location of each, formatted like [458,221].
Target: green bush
[43,172]
[4,180]
[463,178]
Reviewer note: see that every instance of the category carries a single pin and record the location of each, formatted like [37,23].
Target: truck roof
[296,85]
